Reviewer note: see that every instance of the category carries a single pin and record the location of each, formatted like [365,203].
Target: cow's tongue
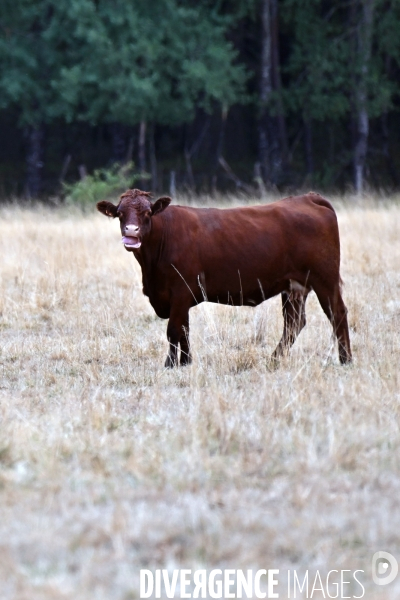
[131,242]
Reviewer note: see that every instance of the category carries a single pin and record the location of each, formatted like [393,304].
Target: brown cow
[238,256]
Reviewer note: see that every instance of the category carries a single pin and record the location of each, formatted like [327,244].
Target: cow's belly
[248,297]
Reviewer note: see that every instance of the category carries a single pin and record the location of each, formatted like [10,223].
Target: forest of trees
[202,95]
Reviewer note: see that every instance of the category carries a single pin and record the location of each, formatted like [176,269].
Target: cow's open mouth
[131,242]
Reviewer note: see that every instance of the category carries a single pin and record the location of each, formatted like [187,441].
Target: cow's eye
[119,214]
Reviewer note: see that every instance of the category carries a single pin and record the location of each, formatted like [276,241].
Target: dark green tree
[37,41]
[119,62]
[153,64]
[336,72]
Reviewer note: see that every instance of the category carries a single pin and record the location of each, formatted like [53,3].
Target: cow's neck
[150,254]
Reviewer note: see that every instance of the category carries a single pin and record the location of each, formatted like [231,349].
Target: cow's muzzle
[131,239]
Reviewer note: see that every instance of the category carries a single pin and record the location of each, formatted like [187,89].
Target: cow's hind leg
[178,333]
[333,306]
[186,356]
[294,319]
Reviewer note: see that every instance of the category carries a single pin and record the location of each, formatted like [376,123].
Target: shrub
[103,184]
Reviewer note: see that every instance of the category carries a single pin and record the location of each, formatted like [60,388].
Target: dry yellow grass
[109,463]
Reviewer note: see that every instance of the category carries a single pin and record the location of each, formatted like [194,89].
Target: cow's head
[135,212]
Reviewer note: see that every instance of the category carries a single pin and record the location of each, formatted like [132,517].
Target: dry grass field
[109,463]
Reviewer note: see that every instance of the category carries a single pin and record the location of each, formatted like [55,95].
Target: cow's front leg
[186,356]
[178,333]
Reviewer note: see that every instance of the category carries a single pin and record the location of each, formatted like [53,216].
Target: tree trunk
[360,151]
[364,43]
[391,167]
[272,138]
[64,169]
[219,148]
[129,151]
[153,160]
[189,170]
[308,149]
[172,184]
[118,143]
[189,152]
[277,84]
[34,161]
[142,152]
[265,93]
[390,163]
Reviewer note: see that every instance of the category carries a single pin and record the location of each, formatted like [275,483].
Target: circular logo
[384,568]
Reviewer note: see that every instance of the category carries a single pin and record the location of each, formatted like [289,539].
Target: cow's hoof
[273,362]
[345,360]
[186,360]
[170,363]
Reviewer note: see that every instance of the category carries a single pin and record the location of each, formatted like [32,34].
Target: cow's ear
[107,208]
[160,205]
